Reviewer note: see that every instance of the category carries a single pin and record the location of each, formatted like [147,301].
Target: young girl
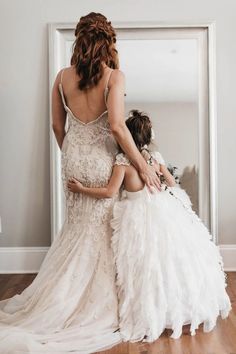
[169,271]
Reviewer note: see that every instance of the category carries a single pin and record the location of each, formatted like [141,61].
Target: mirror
[169,75]
[167,71]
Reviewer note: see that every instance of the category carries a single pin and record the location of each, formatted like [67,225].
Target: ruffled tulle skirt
[169,271]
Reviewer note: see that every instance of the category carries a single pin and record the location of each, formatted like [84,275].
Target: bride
[71,306]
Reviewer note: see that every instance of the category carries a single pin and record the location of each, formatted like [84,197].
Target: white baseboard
[228,253]
[21,259]
[29,259]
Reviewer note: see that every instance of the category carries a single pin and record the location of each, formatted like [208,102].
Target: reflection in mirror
[162,80]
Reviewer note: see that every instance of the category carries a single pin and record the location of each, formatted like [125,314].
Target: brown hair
[94,43]
[140,127]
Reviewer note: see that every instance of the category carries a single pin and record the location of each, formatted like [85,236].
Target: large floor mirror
[170,74]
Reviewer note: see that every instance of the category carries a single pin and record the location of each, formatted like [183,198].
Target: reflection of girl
[169,272]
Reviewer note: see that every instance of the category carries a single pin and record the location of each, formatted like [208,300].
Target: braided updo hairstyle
[94,43]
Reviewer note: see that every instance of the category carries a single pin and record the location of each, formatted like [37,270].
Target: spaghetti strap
[61,91]
[106,87]
[108,78]
[62,75]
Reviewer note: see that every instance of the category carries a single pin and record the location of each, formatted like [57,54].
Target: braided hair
[94,44]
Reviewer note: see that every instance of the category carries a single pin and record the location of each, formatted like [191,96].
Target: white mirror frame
[204,33]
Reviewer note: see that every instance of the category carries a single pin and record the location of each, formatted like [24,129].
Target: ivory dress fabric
[71,306]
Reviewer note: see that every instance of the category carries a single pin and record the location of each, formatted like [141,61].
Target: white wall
[24,140]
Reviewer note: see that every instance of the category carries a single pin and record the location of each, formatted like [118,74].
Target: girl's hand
[74,185]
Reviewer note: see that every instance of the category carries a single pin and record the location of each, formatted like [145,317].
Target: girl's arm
[58,112]
[116,117]
[109,191]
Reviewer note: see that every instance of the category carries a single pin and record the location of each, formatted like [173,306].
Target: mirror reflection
[166,87]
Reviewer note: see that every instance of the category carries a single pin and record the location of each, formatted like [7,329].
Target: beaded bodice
[87,153]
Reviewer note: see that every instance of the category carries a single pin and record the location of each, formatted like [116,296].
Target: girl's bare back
[132,180]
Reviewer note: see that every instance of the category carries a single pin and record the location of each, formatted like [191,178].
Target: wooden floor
[222,340]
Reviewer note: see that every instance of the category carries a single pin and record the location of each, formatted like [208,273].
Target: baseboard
[228,253]
[21,259]
[29,259]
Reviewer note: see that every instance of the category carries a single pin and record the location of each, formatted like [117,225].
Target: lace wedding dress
[169,271]
[71,306]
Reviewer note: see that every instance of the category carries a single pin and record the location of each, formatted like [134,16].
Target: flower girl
[169,271]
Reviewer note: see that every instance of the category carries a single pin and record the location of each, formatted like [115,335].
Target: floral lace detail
[88,152]
[121,159]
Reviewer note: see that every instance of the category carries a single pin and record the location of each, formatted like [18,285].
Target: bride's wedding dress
[71,306]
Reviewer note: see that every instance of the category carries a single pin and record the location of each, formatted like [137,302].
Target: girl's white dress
[169,271]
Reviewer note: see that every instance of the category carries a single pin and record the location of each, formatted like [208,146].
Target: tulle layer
[170,272]
[72,303]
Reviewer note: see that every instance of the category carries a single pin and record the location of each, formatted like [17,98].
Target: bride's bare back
[86,105]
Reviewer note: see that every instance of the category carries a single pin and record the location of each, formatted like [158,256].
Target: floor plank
[222,340]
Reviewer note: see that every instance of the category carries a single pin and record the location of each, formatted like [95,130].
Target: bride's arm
[160,167]
[58,112]
[116,116]
[101,192]
[169,179]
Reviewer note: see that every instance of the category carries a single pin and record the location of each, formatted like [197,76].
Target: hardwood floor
[222,340]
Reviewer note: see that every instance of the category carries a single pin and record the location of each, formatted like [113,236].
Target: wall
[24,140]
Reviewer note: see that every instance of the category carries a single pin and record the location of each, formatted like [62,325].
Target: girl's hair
[94,43]
[140,127]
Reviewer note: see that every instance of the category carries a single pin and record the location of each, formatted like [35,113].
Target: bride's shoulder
[117,77]
[118,73]
[61,72]
[121,159]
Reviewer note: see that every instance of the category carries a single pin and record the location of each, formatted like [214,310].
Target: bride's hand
[150,177]
[74,185]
